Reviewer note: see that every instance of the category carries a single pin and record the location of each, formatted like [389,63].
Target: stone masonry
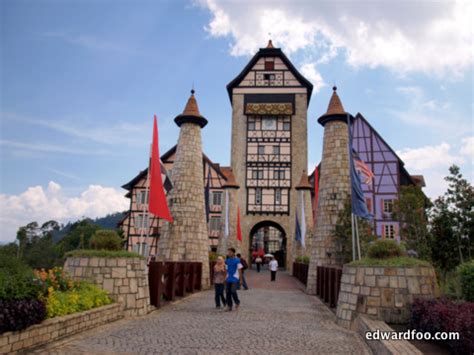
[125,279]
[186,238]
[334,188]
[383,293]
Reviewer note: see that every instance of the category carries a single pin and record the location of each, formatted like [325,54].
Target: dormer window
[268,76]
[269,65]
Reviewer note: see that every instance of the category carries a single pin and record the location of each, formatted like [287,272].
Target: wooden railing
[300,271]
[328,283]
[168,280]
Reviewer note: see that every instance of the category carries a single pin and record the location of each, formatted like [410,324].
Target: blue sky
[81,80]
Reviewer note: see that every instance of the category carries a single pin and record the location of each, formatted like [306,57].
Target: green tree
[343,234]
[78,236]
[411,210]
[452,222]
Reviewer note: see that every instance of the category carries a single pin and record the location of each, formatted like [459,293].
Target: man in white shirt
[273,265]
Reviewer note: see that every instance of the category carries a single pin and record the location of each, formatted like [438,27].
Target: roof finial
[192,89]
[270,44]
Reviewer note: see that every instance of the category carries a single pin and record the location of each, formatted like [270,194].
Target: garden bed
[59,327]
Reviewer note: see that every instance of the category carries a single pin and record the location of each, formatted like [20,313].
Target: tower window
[258,196]
[286,126]
[261,149]
[277,196]
[251,125]
[389,230]
[387,205]
[268,76]
[276,149]
[269,123]
[257,174]
[279,174]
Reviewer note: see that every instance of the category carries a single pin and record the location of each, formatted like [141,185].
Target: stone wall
[384,293]
[125,279]
[60,327]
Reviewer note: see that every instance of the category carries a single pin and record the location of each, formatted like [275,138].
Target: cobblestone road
[274,318]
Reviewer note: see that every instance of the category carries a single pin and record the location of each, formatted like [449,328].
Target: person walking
[219,281]
[273,265]
[258,262]
[245,266]
[234,277]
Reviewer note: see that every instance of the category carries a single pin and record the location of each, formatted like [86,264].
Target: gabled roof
[270,51]
[142,174]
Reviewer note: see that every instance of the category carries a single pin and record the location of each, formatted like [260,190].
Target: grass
[396,261]
[103,253]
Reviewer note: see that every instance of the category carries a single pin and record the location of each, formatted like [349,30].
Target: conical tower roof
[191,113]
[231,183]
[335,111]
[304,183]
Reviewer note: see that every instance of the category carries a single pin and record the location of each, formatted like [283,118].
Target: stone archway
[268,237]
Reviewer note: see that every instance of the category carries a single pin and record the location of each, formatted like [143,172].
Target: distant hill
[108,222]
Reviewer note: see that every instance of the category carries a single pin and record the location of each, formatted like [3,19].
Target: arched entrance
[268,237]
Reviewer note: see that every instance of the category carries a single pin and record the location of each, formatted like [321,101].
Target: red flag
[239,230]
[157,201]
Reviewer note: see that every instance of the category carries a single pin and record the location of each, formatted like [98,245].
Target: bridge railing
[300,272]
[168,280]
[328,283]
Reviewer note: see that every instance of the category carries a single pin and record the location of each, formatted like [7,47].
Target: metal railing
[168,280]
[328,283]
[300,272]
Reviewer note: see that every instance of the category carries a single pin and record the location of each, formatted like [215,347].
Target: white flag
[303,220]
[226,225]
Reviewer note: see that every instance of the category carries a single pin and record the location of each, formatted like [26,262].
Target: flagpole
[357,237]
[353,238]
[145,204]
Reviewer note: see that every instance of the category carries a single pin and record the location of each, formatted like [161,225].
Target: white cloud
[39,204]
[432,162]
[405,36]
[467,147]
[49,148]
[309,71]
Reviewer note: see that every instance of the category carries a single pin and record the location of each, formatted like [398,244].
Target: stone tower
[231,189]
[269,149]
[187,237]
[334,187]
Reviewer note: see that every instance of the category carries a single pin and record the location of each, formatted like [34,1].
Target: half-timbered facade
[140,227]
[389,175]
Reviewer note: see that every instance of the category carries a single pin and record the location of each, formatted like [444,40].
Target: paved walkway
[274,318]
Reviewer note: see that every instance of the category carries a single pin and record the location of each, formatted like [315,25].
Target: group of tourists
[229,276]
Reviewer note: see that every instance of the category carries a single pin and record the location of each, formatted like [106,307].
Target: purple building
[389,172]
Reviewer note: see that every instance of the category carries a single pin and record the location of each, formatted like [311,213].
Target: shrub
[16,280]
[103,254]
[385,248]
[443,315]
[302,259]
[20,314]
[212,256]
[389,262]
[106,239]
[82,297]
[465,273]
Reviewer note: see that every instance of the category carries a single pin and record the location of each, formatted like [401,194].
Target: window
[269,123]
[141,221]
[268,76]
[277,196]
[251,125]
[276,149]
[279,174]
[368,202]
[144,249]
[388,205]
[136,248]
[269,65]
[261,149]
[214,223]
[257,174]
[217,198]
[258,196]
[389,231]
[286,126]
[142,197]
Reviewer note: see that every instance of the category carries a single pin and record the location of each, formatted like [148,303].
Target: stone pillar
[187,237]
[334,188]
[231,197]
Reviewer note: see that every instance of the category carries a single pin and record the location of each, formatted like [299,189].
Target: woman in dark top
[219,281]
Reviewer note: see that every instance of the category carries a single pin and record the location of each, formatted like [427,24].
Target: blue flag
[207,192]
[359,208]
[297,229]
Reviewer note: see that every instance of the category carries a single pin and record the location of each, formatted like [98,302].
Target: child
[219,281]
